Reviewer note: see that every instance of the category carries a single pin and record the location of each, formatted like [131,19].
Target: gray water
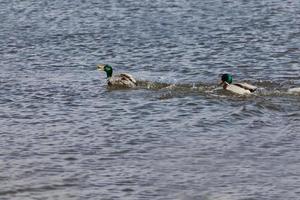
[65,135]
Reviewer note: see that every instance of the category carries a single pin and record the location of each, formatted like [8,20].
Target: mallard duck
[238,88]
[294,90]
[119,80]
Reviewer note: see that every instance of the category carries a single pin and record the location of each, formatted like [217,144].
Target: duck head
[107,68]
[226,78]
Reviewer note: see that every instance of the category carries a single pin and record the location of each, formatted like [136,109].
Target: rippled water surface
[65,135]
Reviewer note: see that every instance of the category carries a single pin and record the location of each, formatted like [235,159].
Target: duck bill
[100,67]
[221,83]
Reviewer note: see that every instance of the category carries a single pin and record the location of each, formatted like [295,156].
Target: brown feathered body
[122,80]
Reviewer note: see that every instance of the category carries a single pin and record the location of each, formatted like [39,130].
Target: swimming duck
[238,88]
[119,80]
[294,90]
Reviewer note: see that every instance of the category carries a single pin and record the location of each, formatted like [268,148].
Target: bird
[123,80]
[237,88]
[294,90]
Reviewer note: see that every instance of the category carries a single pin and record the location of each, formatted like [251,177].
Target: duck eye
[106,68]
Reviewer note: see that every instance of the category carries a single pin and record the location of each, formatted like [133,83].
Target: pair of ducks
[127,81]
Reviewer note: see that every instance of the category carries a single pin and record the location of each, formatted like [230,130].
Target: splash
[172,90]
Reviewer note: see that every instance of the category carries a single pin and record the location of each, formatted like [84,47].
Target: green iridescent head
[226,78]
[107,68]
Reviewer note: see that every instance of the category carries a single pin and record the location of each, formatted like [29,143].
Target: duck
[294,90]
[237,88]
[123,80]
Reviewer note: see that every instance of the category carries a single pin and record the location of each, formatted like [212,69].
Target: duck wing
[129,77]
[236,89]
[122,80]
[246,86]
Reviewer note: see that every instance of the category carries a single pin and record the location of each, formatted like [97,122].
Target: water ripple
[66,135]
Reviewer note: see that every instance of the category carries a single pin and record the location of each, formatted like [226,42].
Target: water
[64,135]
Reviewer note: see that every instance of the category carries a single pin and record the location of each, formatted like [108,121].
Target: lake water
[65,135]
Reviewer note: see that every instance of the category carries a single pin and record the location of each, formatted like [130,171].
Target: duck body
[294,90]
[237,88]
[240,88]
[122,80]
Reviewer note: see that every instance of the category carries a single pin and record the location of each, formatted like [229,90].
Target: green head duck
[107,68]
[226,78]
